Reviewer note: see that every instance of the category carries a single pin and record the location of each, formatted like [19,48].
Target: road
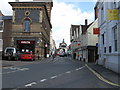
[62,72]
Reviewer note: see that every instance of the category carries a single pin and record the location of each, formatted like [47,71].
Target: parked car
[65,54]
[27,56]
[12,53]
[61,54]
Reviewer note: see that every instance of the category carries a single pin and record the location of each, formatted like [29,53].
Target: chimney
[86,22]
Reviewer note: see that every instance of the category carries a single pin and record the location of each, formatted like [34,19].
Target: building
[75,40]
[1,30]
[109,38]
[83,41]
[30,27]
[89,41]
[62,47]
[7,31]
[52,45]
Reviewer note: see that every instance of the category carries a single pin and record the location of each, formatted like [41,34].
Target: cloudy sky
[64,13]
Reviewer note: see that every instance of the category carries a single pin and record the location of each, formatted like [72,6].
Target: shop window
[26,24]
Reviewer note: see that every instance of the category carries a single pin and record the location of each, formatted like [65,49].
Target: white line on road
[79,68]
[22,69]
[53,77]
[68,72]
[28,85]
[43,80]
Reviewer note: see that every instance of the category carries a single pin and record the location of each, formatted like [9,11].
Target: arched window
[26,24]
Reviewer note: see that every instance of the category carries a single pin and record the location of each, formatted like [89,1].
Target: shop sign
[113,14]
[25,42]
[96,31]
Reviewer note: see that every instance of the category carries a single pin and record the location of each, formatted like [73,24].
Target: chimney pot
[86,22]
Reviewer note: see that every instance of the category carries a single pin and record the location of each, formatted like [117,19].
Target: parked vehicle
[27,56]
[61,54]
[65,54]
[12,53]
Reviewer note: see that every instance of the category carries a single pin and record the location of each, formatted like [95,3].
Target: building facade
[83,41]
[75,40]
[88,51]
[109,38]
[1,30]
[31,26]
[62,47]
[52,46]
[7,31]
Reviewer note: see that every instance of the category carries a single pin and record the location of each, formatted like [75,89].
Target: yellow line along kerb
[101,78]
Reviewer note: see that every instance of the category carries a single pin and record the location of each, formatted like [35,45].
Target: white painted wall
[92,38]
[109,60]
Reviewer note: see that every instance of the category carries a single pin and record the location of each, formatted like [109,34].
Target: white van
[11,53]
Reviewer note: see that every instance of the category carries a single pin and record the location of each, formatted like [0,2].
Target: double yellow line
[101,78]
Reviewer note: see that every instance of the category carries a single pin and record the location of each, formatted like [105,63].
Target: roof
[84,28]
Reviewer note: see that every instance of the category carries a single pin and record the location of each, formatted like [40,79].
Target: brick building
[7,31]
[30,27]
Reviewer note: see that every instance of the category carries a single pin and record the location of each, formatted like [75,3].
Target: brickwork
[7,33]
[37,13]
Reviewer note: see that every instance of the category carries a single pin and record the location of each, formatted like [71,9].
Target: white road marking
[16,70]
[76,69]
[28,85]
[79,68]
[24,69]
[68,72]
[43,80]
[53,77]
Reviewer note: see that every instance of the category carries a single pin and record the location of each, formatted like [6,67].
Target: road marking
[28,85]
[16,70]
[43,80]
[53,77]
[80,68]
[24,69]
[101,78]
[68,72]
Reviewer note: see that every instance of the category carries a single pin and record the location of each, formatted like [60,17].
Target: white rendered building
[109,38]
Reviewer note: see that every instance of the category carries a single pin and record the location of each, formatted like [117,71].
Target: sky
[64,13]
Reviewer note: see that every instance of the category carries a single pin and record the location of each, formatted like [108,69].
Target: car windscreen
[27,53]
[9,50]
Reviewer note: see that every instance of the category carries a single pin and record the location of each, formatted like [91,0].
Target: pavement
[104,72]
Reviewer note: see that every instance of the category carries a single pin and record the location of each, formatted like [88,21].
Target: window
[102,14]
[110,49]
[1,25]
[103,39]
[104,49]
[26,24]
[115,37]
[114,4]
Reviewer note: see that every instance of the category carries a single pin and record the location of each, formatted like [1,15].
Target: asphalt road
[62,72]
